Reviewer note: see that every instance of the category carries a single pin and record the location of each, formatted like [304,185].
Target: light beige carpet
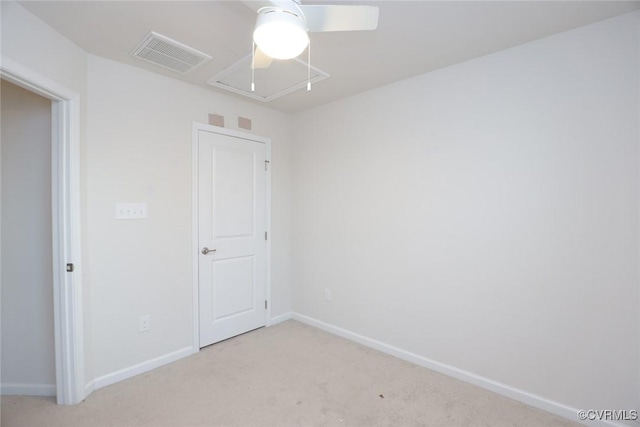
[286,375]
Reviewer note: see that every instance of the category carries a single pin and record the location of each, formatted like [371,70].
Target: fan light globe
[280,34]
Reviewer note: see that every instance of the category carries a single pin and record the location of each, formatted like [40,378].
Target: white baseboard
[280,318]
[530,399]
[19,389]
[88,389]
[140,368]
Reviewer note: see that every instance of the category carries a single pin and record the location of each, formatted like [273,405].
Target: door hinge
[265,304]
[265,235]
[266,165]
[69,268]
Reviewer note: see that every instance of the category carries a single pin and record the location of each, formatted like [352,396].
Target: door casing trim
[197,127]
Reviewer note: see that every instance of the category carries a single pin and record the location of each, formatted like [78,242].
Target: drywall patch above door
[216,120]
[167,53]
[280,79]
[244,123]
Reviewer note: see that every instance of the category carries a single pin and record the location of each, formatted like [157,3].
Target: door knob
[206,251]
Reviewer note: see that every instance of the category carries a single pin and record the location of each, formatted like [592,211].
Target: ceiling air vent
[160,50]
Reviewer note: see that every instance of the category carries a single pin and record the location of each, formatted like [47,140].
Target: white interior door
[232,226]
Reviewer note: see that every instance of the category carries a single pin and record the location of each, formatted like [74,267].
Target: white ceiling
[413,37]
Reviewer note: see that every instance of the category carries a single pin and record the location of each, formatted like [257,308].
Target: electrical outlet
[327,294]
[145,323]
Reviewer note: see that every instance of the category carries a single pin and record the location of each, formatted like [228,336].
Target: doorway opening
[28,346]
[65,227]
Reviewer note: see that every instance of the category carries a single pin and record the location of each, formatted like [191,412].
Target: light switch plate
[131,210]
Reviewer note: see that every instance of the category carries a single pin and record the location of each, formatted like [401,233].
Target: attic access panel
[280,79]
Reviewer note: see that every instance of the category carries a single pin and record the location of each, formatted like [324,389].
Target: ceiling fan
[282,26]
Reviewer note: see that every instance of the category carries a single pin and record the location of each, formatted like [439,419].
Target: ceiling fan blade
[340,18]
[255,5]
[261,60]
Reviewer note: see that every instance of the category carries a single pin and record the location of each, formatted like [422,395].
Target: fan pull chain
[309,67]
[253,68]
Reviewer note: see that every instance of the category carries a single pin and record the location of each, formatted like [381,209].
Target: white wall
[27,340]
[485,215]
[138,149]
[29,41]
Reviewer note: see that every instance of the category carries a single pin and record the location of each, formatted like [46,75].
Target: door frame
[197,127]
[66,216]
